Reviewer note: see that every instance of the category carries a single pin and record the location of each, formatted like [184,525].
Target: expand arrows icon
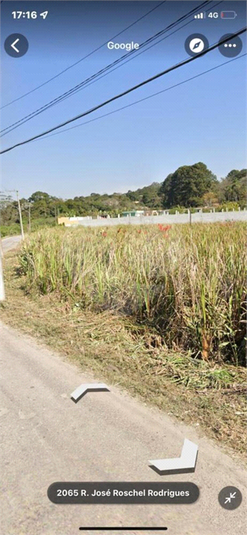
[181,465]
[88,387]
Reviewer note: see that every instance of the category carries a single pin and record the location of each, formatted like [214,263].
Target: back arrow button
[16,45]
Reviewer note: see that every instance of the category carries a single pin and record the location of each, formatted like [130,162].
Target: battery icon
[228,14]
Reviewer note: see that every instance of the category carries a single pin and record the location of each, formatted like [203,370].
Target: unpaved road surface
[10,243]
[106,436]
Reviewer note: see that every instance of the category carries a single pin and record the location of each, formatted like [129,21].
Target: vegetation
[14,228]
[132,355]
[186,283]
[188,187]
[156,309]
[233,188]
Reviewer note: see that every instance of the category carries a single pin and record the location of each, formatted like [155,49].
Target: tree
[187,185]
[8,210]
[40,196]
[210,199]
[148,196]
[233,188]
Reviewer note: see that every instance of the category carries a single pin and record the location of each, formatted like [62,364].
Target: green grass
[186,283]
[10,230]
[14,229]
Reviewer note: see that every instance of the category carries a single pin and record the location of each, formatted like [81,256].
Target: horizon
[121,192]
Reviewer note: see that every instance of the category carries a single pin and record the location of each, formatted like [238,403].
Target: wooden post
[29,218]
[20,215]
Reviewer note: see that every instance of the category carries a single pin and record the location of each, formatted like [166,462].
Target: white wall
[167,219]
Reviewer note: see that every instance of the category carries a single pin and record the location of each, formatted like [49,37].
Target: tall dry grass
[187,282]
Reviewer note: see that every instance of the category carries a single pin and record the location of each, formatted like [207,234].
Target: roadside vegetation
[14,229]
[108,342]
[158,310]
[187,284]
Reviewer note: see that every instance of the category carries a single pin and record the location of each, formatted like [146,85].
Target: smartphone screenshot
[123,267]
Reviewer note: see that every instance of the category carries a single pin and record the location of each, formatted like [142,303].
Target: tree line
[190,186]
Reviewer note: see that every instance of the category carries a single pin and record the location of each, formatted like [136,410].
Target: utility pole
[20,215]
[29,218]
[2,292]
[19,209]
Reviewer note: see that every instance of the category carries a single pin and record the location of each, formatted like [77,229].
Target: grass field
[187,284]
[156,310]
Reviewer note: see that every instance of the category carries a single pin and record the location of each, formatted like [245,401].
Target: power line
[84,57]
[102,72]
[84,83]
[147,98]
[143,51]
[126,92]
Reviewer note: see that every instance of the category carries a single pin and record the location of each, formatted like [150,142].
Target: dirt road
[104,437]
[10,243]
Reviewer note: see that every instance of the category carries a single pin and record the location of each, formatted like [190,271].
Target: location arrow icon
[181,465]
[88,387]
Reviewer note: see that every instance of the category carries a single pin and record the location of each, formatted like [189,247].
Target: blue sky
[203,120]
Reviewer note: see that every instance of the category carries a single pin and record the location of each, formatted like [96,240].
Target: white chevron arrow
[14,47]
[183,464]
[88,387]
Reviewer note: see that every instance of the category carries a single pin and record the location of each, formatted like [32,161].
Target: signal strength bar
[200,16]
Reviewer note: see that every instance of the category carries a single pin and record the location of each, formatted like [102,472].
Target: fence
[198,217]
